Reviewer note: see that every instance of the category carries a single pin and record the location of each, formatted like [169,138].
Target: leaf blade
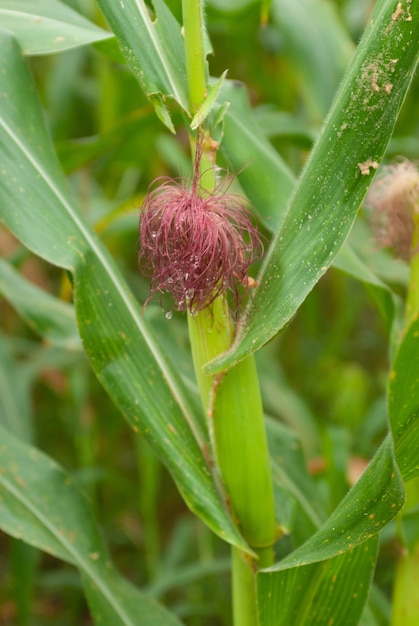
[332,591]
[38,209]
[49,27]
[335,179]
[40,504]
[354,526]
[373,501]
[154,51]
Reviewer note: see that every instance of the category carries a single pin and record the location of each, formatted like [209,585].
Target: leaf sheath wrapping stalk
[339,556]
[235,413]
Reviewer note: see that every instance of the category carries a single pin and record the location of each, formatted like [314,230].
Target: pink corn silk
[194,245]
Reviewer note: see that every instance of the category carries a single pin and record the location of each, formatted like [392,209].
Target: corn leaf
[37,207]
[322,569]
[336,177]
[329,592]
[48,26]
[153,49]
[40,504]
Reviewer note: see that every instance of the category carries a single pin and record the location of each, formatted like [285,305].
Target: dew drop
[169,280]
[169,315]
[189,294]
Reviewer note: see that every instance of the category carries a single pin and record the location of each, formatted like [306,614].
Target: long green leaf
[153,49]
[47,26]
[336,176]
[368,507]
[138,608]
[40,504]
[373,501]
[319,594]
[36,206]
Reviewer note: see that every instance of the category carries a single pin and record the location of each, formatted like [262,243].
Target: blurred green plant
[313,541]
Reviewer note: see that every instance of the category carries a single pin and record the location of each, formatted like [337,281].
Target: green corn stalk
[405,606]
[231,400]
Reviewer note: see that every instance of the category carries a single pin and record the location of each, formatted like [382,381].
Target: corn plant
[230,248]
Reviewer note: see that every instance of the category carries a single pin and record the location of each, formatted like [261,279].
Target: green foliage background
[324,379]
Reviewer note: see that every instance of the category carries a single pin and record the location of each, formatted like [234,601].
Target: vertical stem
[405,606]
[244,604]
[208,340]
[193,25]
[232,400]
[234,409]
